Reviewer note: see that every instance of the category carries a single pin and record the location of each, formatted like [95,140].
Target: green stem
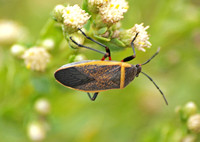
[47,27]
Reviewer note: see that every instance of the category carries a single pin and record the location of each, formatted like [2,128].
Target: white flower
[193,123]
[141,41]
[42,106]
[11,32]
[36,131]
[113,11]
[36,58]
[74,17]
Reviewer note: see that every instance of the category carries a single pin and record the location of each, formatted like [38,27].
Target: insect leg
[134,54]
[108,54]
[94,96]
[80,45]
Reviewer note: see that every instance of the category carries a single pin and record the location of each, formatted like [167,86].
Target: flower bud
[48,44]
[190,108]
[79,57]
[116,34]
[58,12]
[78,37]
[193,123]
[42,106]
[11,32]
[36,131]
[17,50]
[189,138]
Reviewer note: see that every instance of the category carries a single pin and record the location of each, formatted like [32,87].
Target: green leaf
[71,58]
[87,25]
[85,6]
[114,47]
[111,33]
[118,42]
[101,38]
[102,30]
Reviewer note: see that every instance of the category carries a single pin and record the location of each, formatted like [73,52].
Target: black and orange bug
[94,76]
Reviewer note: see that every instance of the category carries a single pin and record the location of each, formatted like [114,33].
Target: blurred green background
[134,114]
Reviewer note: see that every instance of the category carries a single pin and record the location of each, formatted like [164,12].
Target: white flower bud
[48,44]
[36,58]
[11,32]
[58,12]
[36,131]
[189,138]
[193,123]
[17,50]
[78,37]
[79,57]
[42,106]
[190,108]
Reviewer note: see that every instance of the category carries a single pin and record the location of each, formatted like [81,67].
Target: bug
[94,76]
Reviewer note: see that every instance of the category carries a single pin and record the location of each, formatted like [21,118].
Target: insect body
[94,76]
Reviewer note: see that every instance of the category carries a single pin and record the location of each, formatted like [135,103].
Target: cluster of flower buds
[37,129]
[36,57]
[99,19]
[103,23]
[189,115]
[72,17]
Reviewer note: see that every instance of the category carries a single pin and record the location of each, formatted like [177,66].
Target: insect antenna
[152,57]
[151,78]
[156,87]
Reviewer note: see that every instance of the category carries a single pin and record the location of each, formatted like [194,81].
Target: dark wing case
[72,77]
[90,77]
